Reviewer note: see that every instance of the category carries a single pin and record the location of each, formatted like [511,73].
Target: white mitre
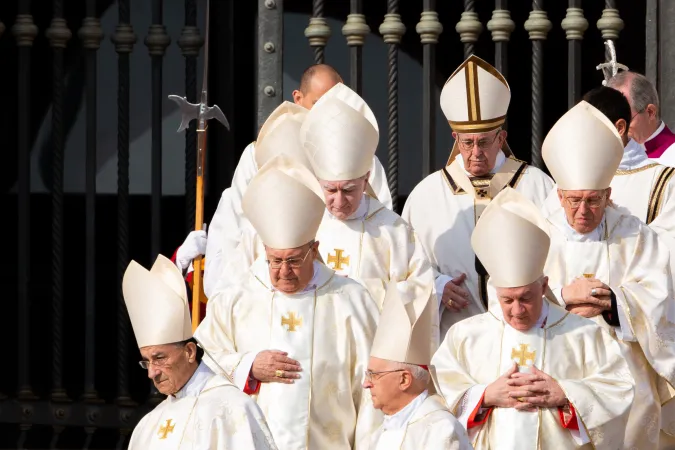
[284,203]
[404,329]
[511,240]
[281,134]
[583,150]
[476,97]
[157,303]
[340,135]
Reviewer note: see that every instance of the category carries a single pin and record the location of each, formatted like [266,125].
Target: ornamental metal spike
[611,67]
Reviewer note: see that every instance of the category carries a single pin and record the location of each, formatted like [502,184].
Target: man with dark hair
[646,126]
[202,409]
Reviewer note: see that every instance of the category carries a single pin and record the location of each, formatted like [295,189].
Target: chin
[342,215]
[520,326]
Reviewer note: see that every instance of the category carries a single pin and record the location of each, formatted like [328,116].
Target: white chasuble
[208,413]
[632,260]
[443,210]
[228,222]
[584,360]
[328,328]
[429,425]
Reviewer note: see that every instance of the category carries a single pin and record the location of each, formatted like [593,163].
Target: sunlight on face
[521,306]
[343,197]
[296,267]
[479,150]
[584,210]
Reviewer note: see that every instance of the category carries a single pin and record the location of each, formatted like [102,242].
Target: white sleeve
[580,436]
[623,331]
[439,285]
[243,370]
[468,404]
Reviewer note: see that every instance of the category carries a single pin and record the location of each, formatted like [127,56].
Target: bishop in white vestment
[444,207]
[529,375]
[293,334]
[202,410]
[228,221]
[399,380]
[607,265]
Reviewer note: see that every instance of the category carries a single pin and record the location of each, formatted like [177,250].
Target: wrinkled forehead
[477,136]
[532,290]
[588,193]
[377,364]
[282,253]
[345,184]
[154,351]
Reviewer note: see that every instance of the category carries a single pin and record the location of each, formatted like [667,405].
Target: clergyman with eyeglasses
[444,207]
[608,265]
[398,378]
[292,333]
[202,409]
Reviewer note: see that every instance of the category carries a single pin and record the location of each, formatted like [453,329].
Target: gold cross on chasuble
[337,260]
[523,355]
[166,429]
[291,321]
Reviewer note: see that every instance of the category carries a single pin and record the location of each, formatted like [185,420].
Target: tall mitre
[281,134]
[284,203]
[404,329]
[511,240]
[583,150]
[157,303]
[476,97]
[340,135]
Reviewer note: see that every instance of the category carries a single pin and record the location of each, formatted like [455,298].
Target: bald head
[643,100]
[316,80]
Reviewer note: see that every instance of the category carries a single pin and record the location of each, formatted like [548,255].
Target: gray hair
[642,91]
[420,375]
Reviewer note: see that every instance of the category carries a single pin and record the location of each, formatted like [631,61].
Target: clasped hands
[275,366]
[587,297]
[524,391]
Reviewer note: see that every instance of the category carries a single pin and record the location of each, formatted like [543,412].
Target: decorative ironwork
[318,31]
[610,24]
[392,30]
[501,26]
[538,27]
[355,30]
[429,28]
[574,24]
[58,35]
[270,57]
[469,27]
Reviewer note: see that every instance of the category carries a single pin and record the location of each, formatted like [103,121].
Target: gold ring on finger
[520,399]
[449,302]
[279,373]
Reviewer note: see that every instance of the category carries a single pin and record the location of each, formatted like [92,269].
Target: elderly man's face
[521,306]
[479,150]
[291,270]
[386,386]
[344,197]
[584,209]
[170,366]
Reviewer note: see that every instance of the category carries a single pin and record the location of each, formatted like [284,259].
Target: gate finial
[611,67]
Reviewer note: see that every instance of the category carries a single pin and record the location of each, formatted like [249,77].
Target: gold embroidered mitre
[340,135]
[583,150]
[511,240]
[476,97]
[404,330]
[157,303]
[284,203]
[281,134]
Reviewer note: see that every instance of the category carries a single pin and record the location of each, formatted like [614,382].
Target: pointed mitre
[404,329]
[511,240]
[583,150]
[340,135]
[284,203]
[476,97]
[157,303]
[281,134]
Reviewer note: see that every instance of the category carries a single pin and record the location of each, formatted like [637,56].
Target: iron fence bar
[652,25]
[90,35]
[574,25]
[429,28]
[124,40]
[190,42]
[610,24]
[270,58]
[469,27]
[392,30]
[501,25]
[538,27]
[157,41]
[25,32]
[321,27]
[355,30]
[58,35]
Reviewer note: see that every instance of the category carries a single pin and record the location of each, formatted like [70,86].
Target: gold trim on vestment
[476,126]
[657,193]
[632,171]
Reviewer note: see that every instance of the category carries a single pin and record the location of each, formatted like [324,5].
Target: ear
[560,195]
[297,96]
[191,350]
[406,380]
[502,136]
[544,284]
[366,178]
[609,193]
[621,127]
[454,135]
[651,111]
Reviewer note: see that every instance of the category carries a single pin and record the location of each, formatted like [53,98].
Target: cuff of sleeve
[479,415]
[612,316]
[439,285]
[470,402]
[568,417]
[243,371]
[558,294]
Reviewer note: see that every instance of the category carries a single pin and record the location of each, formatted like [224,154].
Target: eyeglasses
[159,362]
[634,115]
[483,144]
[369,373]
[593,202]
[293,262]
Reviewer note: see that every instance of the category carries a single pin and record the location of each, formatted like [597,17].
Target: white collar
[312,283]
[596,235]
[196,383]
[634,156]
[360,212]
[658,130]
[501,157]
[401,418]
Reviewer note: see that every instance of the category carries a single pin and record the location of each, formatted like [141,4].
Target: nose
[286,269]
[517,308]
[153,372]
[367,384]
